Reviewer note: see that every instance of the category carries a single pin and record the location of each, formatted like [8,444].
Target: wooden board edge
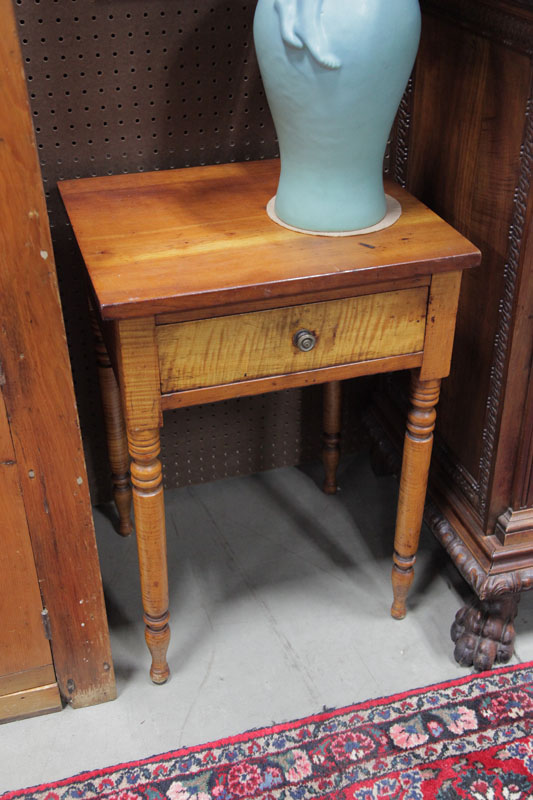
[305,298]
[283,293]
[26,680]
[276,383]
[39,396]
[30,703]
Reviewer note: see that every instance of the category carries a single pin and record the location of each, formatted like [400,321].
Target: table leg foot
[484,632]
[403,574]
[149,510]
[413,485]
[331,437]
[157,635]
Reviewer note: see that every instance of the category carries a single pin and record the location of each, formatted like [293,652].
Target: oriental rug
[467,738]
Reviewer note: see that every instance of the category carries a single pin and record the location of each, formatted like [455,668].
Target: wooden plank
[276,383]
[25,657]
[201,237]
[21,681]
[246,346]
[40,402]
[30,703]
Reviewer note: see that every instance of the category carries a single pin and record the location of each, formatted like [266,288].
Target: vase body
[334,73]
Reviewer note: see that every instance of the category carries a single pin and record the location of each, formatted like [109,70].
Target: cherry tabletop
[171,241]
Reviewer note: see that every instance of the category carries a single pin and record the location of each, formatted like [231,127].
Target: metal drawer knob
[304,340]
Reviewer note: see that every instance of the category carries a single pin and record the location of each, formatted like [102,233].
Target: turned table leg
[117,443]
[332,397]
[149,510]
[413,485]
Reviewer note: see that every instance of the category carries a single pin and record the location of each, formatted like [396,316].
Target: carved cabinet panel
[464,145]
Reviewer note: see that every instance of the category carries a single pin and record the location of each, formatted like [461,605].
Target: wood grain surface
[440,326]
[30,703]
[168,241]
[25,656]
[417,448]
[138,373]
[276,383]
[36,385]
[332,422]
[248,346]
[466,160]
[115,426]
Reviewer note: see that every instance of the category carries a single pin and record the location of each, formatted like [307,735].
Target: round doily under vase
[392,215]
[334,73]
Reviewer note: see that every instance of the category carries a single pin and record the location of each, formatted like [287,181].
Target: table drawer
[242,347]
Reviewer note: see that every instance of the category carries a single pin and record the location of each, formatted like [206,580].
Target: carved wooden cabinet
[464,145]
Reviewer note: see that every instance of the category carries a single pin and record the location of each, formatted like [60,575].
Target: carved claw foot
[484,632]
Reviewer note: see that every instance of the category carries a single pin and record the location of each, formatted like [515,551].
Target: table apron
[276,383]
[263,344]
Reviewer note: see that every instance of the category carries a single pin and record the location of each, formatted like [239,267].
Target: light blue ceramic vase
[334,72]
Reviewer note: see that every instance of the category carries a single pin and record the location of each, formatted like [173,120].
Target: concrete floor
[280,602]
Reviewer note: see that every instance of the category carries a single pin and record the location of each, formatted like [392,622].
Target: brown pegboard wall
[118,88]
[127,86]
[247,435]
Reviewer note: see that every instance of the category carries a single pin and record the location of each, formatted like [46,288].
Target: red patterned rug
[468,738]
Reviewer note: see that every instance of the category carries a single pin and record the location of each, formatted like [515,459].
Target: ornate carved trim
[514,523]
[386,160]
[516,31]
[501,343]
[523,493]
[456,471]
[485,586]
[401,143]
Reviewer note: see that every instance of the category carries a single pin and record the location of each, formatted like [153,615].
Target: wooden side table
[199,297]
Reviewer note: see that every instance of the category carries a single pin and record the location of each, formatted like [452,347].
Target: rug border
[270,729]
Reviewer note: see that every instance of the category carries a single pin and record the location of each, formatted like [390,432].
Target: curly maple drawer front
[242,347]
